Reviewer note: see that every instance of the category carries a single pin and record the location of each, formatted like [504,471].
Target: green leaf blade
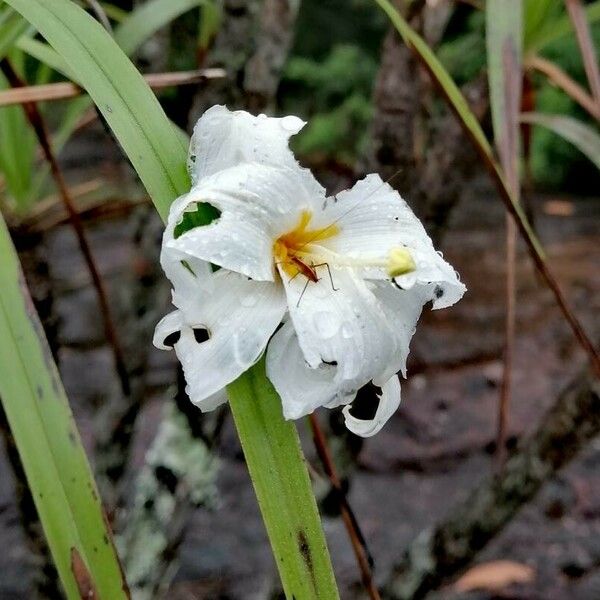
[119,92]
[504,33]
[42,424]
[583,136]
[148,18]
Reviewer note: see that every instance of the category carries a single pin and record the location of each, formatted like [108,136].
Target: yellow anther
[296,243]
[400,262]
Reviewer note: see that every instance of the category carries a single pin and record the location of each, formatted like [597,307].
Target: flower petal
[401,309]
[170,325]
[257,204]
[339,320]
[231,328]
[301,388]
[224,139]
[388,403]
[373,219]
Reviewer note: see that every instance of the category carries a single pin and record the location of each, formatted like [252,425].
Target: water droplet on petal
[326,323]
[347,331]
[249,300]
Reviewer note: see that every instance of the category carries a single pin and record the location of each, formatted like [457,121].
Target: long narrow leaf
[586,46]
[568,85]
[119,92]
[12,26]
[148,18]
[55,463]
[140,126]
[17,152]
[44,54]
[504,34]
[584,137]
[504,24]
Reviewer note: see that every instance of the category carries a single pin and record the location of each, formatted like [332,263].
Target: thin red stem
[350,522]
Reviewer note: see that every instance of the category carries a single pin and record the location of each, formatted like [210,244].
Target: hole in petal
[186,264]
[366,402]
[199,215]
[331,363]
[201,334]
[438,292]
[172,338]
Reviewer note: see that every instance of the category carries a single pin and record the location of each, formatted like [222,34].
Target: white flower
[347,275]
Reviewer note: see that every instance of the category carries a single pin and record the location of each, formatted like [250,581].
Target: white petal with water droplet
[238,334]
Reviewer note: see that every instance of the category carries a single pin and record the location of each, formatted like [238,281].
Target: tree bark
[424,152]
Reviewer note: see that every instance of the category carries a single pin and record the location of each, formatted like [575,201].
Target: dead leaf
[494,575]
[559,208]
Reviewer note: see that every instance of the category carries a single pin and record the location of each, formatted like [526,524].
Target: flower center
[299,251]
[293,249]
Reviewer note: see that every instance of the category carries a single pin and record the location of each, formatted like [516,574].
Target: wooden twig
[37,122]
[350,522]
[68,89]
[440,552]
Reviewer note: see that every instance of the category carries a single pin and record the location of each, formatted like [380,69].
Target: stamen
[400,262]
[297,243]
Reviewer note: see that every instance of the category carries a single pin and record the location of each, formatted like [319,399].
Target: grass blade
[44,54]
[12,26]
[584,137]
[471,126]
[504,34]
[504,24]
[119,92]
[17,150]
[568,85]
[586,46]
[148,18]
[53,458]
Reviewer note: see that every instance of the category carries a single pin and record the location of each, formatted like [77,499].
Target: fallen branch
[440,552]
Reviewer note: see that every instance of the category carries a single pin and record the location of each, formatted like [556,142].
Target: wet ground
[434,450]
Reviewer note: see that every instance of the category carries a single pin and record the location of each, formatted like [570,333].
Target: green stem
[276,464]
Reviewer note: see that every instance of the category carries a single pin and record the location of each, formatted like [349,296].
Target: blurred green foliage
[329,78]
[336,93]
[555,162]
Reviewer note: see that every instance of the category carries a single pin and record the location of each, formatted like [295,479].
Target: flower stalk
[281,482]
